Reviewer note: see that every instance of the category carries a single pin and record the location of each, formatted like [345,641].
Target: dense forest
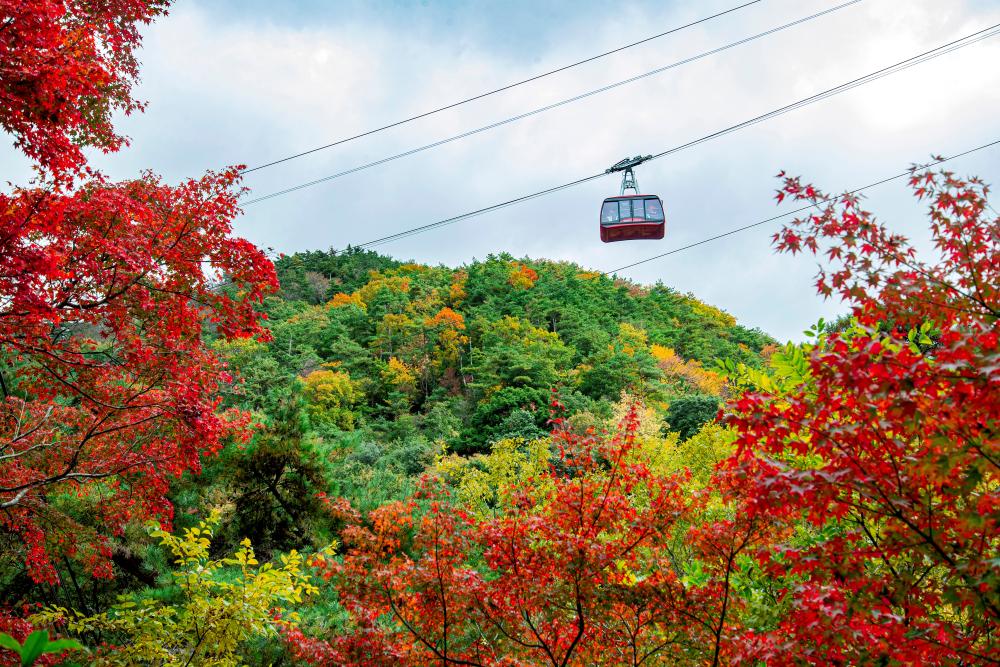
[376,369]
[208,458]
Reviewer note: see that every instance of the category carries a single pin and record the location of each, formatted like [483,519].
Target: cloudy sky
[250,81]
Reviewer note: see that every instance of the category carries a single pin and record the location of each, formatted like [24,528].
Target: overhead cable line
[873,76]
[500,89]
[830,199]
[968,40]
[549,107]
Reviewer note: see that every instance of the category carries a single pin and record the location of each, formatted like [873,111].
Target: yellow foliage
[511,329]
[662,353]
[700,453]
[484,482]
[342,300]
[413,268]
[378,282]
[400,376]
[631,338]
[331,396]
[589,275]
[711,313]
[665,455]
[650,424]
[229,346]
[651,446]
[221,604]
[394,322]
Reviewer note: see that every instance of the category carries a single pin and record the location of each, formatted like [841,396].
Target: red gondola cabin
[631,217]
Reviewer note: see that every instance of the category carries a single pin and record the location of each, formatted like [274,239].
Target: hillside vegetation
[376,369]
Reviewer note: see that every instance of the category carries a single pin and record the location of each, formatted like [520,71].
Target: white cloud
[229,88]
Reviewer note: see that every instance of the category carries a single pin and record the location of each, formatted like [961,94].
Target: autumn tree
[882,436]
[332,395]
[588,558]
[108,295]
[109,389]
[65,68]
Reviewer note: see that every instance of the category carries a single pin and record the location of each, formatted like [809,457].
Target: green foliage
[36,645]
[309,276]
[411,356]
[626,364]
[484,481]
[487,342]
[215,607]
[787,368]
[687,414]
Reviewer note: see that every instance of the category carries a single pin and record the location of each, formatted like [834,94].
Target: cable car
[631,217]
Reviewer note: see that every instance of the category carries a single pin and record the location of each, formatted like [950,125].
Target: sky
[250,81]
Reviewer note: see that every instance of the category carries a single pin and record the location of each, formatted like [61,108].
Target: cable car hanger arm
[628,163]
[629,181]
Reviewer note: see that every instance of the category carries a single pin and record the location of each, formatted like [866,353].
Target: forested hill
[376,369]
[471,354]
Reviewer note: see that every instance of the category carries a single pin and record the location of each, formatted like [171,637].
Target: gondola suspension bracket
[626,166]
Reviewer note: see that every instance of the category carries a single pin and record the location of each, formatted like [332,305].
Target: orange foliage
[690,370]
[768,350]
[456,293]
[446,317]
[341,300]
[450,341]
[522,276]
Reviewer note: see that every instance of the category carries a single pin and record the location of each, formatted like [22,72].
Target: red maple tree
[107,383]
[890,448]
[65,68]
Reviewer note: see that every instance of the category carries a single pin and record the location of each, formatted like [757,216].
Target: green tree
[687,414]
[218,605]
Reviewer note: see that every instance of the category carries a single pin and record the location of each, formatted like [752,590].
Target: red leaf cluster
[891,450]
[65,68]
[579,571]
[107,382]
